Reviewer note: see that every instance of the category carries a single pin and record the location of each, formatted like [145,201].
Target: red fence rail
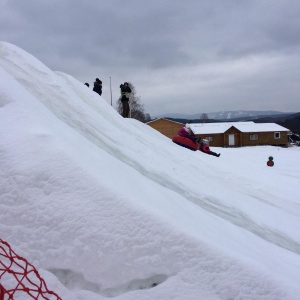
[20,277]
[1,292]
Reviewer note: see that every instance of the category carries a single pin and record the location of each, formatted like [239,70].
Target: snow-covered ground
[108,207]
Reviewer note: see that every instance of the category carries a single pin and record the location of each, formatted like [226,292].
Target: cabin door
[231,139]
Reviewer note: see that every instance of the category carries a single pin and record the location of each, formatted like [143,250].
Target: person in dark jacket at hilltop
[98,86]
[204,147]
[125,93]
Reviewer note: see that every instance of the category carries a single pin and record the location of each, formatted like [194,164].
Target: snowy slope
[107,207]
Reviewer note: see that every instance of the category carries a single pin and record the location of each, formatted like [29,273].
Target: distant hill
[291,122]
[287,120]
[224,115]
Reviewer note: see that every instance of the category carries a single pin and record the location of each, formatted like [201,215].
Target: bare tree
[147,118]
[136,107]
[204,118]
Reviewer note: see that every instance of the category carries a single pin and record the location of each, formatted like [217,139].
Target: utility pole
[110,91]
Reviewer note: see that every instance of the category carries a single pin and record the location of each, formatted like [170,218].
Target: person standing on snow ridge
[204,147]
[98,86]
[187,132]
[125,93]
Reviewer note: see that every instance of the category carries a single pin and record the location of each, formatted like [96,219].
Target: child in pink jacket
[204,147]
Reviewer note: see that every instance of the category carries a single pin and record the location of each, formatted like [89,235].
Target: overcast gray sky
[192,56]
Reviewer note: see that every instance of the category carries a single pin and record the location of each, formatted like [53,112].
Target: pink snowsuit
[184,132]
[204,148]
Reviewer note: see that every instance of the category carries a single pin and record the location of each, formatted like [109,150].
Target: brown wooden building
[239,134]
[166,127]
[229,134]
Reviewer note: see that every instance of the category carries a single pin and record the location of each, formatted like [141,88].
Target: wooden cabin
[166,127]
[240,134]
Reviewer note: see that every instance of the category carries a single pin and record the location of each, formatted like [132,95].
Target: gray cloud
[182,56]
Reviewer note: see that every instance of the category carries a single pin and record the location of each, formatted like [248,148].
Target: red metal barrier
[25,278]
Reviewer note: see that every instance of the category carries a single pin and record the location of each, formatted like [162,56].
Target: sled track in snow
[233,216]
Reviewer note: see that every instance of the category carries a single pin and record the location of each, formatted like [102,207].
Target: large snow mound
[108,207]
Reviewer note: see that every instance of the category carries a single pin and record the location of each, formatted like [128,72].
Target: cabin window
[253,137]
[209,138]
[277,135]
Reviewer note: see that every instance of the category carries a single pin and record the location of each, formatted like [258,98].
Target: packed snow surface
[106,207]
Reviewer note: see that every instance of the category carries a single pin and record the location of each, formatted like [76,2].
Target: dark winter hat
[98,80]
[125,83]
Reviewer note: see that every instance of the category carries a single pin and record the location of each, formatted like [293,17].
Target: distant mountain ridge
[225,115]
[287,120]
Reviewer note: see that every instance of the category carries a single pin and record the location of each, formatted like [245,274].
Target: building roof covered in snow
[206,128]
